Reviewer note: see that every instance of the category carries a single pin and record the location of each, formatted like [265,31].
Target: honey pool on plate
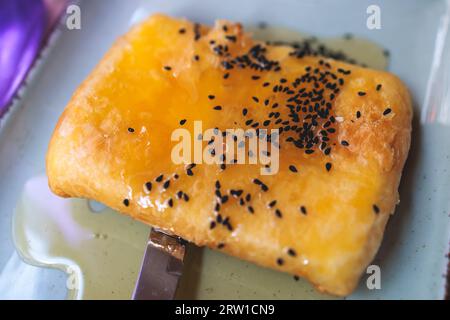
[101,250]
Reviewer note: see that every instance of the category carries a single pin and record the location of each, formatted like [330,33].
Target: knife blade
[161,267]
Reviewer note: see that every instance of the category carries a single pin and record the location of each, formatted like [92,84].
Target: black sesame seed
[212,225]
[303,210]
[387,111]
[255,99]
[182,121]
[292,252]
[168,68]
[189,172]
[328,166]
[220,245]
[130,130]
[272,203]
[166,184]
[250,209]
[376,209]
[185,197]
[224,199]
[244,111]
[345,143]
[361,93]
[218,108]
[218,186]
[278,213]
[296,278]
[293,168]
[280,261]
[226,75]
[211,97]
[231,38]
[257,182]
[148,186]
[191,166]
[379,87]
[159,178]
[196,57]
[179,194]
[170,202]
[126,202]
[358,114]
[182,31]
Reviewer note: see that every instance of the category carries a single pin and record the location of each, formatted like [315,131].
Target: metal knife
[161,267]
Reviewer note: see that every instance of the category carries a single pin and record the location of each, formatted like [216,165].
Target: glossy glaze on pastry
[344,137]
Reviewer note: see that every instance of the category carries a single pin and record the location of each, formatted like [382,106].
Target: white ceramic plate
[413,254]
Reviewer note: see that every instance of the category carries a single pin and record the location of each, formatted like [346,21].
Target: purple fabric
[22,27]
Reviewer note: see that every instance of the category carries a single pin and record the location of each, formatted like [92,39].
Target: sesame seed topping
[218,108]
[292,252]
[211,97]
[167,68]
[130,130]
[345,143]
[182,121]
[361,93]
[303,210]
[376,209]
[221,245]
[126,202]
[231,38]
[379,87]
[250,209]
[148,186]
[244,111]
[170,202]
[387,111]
[182,31]
[212,225]
[278,213]
[328,166]
[166,184]
[159,178]
[358,114]
[280,261]
[272,203]
[293,168]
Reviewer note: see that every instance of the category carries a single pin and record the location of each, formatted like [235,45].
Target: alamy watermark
[232,146]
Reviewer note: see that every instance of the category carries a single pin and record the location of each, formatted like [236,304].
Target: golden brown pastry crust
[92,155]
